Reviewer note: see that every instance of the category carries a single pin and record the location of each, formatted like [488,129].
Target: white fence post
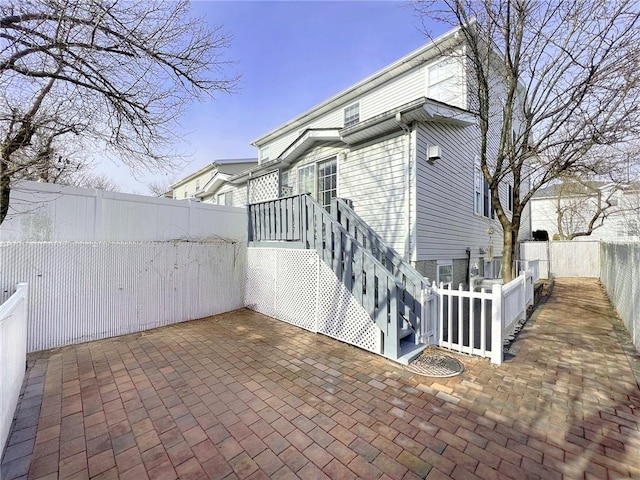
[496,325]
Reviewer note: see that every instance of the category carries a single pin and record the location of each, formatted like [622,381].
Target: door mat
[434,363]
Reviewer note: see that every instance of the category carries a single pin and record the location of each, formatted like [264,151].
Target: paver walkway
[240,395]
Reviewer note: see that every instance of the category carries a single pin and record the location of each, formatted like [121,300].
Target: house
[571,206]
[402,146]
[194,184]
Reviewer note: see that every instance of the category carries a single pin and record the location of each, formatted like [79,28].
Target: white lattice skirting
[295,286]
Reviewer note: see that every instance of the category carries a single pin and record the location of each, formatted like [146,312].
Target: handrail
[386,252]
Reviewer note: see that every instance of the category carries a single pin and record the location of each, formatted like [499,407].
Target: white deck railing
[13,356]
[478,322]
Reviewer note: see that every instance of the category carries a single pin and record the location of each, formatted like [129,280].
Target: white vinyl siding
[446,224]
[373,178]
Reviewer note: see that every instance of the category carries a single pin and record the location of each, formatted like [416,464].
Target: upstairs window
[510,198]
[186,193]
[198,185]
[444,81]
[264,154]
[482,194]
[352,115]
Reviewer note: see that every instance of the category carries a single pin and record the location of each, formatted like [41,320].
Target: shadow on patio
[240,395]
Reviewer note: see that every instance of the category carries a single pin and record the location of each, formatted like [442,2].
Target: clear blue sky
[291,56]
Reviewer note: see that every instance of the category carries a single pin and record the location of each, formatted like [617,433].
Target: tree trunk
[508,255]
[5,190]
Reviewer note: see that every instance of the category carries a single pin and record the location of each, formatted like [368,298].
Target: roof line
[362,86]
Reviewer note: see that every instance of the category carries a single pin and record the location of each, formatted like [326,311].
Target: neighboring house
[194,185]
[402,145]
[575,208]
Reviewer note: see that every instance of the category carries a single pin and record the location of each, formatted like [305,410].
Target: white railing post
[496,325]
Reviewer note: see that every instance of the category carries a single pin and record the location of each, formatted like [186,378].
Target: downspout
[468,267]
[407,185]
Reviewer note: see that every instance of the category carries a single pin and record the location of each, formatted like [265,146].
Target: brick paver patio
[240,395]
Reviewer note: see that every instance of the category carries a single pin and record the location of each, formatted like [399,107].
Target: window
[197,185]
[225,198]
[186,192]
[352,115]
[443,84]
[264,154]
[445,273]
[285,186]
[482,194]
[327,182]
[306,180]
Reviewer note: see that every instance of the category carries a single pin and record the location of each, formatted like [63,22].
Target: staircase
[392,292]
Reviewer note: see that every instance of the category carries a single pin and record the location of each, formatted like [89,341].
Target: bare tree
[117,73]
[582,206]
[549,82]
[161,188]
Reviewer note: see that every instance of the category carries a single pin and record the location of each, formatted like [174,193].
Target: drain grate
[436,364]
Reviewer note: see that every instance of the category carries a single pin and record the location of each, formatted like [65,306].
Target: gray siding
[373,177]
[446,223]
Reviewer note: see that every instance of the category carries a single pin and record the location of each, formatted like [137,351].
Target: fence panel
[575,259]
[466,321]
[537,251]
[56,213]
[87,291]
[13,353]
[514,303]
[620,275]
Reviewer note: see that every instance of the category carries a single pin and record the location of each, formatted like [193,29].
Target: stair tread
[404,333]
[409,351]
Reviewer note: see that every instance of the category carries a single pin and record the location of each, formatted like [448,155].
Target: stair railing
[301,219]
[415,284]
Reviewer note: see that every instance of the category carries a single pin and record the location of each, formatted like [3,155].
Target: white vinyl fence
[13,353]
[620,275]
[478,322]
[48,212]
[564,259]
[81,291]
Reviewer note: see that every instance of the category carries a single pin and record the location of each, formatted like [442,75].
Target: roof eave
[397,68]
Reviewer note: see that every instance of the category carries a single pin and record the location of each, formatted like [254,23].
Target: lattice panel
[264,188]
[341,316]
[297,287]
[261,272]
